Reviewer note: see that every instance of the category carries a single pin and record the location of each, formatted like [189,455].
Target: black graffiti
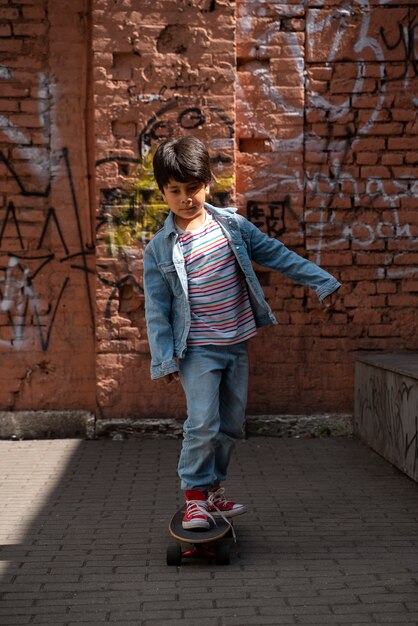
[121,207]
[19,284]
[334,177]
[412,443]
[166,92]
[164,122]
[18,181]
[11,216]
[405,40]
[269,216]
[52,215]
[118,159]
[190,118]
[116,286]
[381,412]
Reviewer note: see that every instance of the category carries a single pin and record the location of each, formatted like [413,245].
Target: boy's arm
[157,313]
[273,254]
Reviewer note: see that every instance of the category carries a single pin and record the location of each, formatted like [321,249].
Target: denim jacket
[167,305]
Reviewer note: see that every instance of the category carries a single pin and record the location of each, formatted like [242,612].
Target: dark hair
[185,159]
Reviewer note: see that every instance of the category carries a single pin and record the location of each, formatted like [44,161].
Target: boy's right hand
[172,378]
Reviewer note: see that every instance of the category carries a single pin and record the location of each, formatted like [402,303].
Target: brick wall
[160,70]
[326,128]
[46,295]
[309,111]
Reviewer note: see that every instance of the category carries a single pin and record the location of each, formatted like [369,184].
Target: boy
[203,303]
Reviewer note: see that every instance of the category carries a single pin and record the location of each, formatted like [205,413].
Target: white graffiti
[333,36]
[16,289]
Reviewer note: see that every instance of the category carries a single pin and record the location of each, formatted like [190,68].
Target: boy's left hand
[329,301]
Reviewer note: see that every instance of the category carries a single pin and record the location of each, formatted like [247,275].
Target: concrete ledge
[256,425]
[46,424]
[83,424]
[386,407]
[130,428]
[320,425]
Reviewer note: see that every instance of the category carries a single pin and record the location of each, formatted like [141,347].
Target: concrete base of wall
[82,424]
[322,425]
[47,425]
[386,407]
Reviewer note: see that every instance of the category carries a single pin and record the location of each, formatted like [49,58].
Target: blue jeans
[215,381]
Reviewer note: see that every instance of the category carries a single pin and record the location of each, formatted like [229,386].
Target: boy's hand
[171,378]
[329,301]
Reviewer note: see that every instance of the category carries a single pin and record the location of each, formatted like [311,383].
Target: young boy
[203,303]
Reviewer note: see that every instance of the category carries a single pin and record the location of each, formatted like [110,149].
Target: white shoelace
[219,496]
[198,507]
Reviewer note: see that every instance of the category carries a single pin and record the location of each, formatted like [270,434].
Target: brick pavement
[331,537]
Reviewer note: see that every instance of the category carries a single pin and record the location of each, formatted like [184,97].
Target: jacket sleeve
[158,298]
[272,253]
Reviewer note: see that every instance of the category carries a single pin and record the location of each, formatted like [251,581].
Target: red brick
[410,285]
[386,287]
[367,144]
[407,258]
[392,158]
[9,14]
[403,300]
[378,171]
[10,45]
[384,330]
[411,157]
[5,30]
[367,158]
[402,143]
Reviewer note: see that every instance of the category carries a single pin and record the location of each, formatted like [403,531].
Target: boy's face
[186,201]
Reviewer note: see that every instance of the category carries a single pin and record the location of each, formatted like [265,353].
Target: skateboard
[198,543]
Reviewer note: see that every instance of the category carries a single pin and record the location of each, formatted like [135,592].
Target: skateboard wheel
[222,556]
[174,555]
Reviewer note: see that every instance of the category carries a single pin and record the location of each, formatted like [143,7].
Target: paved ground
[331,537]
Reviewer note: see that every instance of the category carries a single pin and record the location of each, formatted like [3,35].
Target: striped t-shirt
[220,308]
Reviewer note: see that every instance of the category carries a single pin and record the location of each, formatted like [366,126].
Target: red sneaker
[196,514]
[219,506]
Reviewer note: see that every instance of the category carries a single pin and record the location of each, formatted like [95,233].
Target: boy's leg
[200,375]
[233,402]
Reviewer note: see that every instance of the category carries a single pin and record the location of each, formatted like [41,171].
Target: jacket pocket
[170,273]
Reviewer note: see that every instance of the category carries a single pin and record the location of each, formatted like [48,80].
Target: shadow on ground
[331,536]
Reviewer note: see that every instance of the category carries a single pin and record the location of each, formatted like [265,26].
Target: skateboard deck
[199,543]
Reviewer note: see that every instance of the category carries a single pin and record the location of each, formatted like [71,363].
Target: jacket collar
[169,226]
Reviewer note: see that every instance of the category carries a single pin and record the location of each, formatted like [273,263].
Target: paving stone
[330,537]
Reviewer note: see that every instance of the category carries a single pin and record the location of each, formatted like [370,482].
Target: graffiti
[185,83]
[19,295]
[167,93]
[11,215]
[25,298]
[165,122]
[269,216]
[130,268]
[411,446]
[387,417]
[407,43]
[129,215]
[334,37]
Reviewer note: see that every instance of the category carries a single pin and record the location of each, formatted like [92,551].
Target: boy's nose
[187,199]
